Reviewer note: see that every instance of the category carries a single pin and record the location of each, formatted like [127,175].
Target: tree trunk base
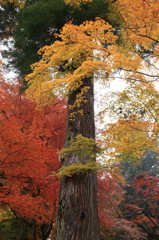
[77,211]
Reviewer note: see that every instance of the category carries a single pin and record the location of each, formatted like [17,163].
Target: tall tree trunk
[77,217]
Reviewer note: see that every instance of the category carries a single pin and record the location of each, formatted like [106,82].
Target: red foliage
[110,198]
[29,144]
[147,198]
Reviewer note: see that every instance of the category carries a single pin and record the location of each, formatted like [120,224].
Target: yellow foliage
[80,53]
[141,19]
[83,51]
[78,168]
[128,140]
[81,146]
[136,97]
[90,50]
[19,3]
[76,2]
[5,214]
[137,129]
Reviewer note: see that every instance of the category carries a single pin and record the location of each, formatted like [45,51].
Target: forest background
[119,40]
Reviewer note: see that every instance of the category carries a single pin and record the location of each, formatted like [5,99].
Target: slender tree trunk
[77,213]
[20,229]
[34,230]
[46,230]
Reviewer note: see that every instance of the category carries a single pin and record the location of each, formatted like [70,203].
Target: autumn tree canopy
[30,141]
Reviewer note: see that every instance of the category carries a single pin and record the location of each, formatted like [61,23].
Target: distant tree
[148,162]
[7,15]
[142,207]
[113,224]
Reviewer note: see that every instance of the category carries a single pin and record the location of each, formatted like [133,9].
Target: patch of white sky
[8,75]
[103,98]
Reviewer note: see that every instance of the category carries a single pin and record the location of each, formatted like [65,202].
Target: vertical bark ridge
[77,213]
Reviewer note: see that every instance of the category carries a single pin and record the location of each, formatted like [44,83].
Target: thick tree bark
[78,212]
